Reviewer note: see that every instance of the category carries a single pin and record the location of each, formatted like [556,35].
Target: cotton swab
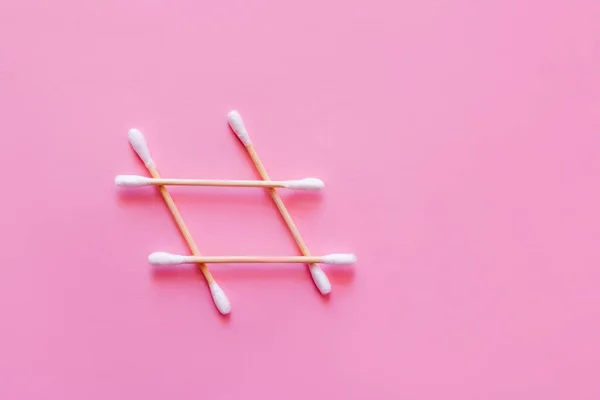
[239,128]
[136,180]
[162,258]
[138,142]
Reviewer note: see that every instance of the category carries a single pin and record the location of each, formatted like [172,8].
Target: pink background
[459,141]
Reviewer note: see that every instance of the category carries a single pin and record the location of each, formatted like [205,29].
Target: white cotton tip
[305,184]
[132,180]
[339,259]
[237,125]
[162,258]
[220,299]
[320,279]
[138,142]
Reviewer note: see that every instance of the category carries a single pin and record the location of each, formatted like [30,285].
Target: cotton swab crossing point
[138,142]
[162,258]
[239,128]
[136,180]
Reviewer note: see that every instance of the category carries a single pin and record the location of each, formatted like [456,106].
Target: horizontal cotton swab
[162,258]
[137,180]
[138,142]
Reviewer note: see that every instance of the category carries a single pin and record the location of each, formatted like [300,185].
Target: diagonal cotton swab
[162,258]
[238,127]
[138,142]
[136,180]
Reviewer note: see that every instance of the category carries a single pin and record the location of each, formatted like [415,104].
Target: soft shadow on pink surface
[177,277]
[343,275]
[305,199]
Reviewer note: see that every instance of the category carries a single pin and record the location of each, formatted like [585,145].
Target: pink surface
[459,141]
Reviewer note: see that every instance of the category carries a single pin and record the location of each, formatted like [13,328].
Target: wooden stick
[214,182]
[278,202]
[181,225]
[259,259]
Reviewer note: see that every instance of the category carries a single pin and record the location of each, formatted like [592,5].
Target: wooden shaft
[279,203]
[215,182]
[181,225]
[256,259]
